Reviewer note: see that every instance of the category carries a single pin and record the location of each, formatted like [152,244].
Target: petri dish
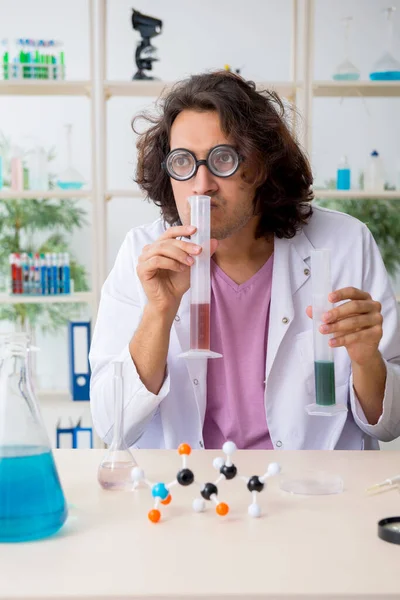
[312,483]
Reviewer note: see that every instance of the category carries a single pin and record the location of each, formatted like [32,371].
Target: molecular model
[208,491]
[185,477]
[255,484]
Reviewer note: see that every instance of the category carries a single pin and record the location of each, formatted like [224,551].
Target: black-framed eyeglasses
[221,161]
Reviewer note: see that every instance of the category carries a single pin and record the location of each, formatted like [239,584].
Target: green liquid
[325,383]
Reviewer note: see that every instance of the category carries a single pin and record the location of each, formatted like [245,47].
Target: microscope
[148,27]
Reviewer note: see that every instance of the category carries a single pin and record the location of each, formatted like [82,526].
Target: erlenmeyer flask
[32,503]
[346,70]
[387,68]
[70,178]
[115,470]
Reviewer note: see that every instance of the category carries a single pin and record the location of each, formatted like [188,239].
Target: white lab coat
[176,413]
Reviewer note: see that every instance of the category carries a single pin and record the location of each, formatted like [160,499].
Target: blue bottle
[66,274]
[44,287]
[343,181]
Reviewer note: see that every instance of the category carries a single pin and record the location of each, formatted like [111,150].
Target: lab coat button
[285,320]
[177,318]
[306,271]
[278,444]
[196,381]
[201,444]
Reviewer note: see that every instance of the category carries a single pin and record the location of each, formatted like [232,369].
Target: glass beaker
[115,470]
[387,68]
[32,503]
[346,70]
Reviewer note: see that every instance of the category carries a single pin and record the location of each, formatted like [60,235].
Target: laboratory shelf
[35,194]
[386,195]
[356,89]
[34,87]
[55,299]
[124,194]
[155,88]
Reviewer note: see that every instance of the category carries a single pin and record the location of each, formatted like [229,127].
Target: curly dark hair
[256,121]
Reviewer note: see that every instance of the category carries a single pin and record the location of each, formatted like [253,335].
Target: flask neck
[118,441]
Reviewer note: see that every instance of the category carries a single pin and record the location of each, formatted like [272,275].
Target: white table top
[305,547]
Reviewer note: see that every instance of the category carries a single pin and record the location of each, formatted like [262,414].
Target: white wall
[197,36]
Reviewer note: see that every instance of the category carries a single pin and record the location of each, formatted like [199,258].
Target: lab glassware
[387,68]
[200,283]
[346,70]
[70,178]
[324,367]
[32,503]
[115,470]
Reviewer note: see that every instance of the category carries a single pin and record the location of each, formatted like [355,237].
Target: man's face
[231,197]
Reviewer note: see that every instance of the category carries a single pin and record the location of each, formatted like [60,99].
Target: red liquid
[200,326]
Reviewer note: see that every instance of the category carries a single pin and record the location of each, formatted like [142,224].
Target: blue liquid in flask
[32,503]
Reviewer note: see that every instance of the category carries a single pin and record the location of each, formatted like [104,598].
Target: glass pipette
[200,284]
[387,483]
[324,367]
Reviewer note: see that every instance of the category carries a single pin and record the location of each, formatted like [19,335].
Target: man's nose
[204,182]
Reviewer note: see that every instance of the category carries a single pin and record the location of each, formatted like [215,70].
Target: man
[216,135]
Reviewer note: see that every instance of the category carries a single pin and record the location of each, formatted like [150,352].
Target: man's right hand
[164,268]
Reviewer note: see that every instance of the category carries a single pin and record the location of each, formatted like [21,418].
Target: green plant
[382,218]
[32,225]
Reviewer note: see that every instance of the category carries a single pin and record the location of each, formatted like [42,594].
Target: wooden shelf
[356,194]
[34,87]
[356,89]
[155,88]
[124,194]
[86,297]
[56,193]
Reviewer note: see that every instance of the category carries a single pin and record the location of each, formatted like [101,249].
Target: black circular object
[389,530]
[208,490]
[254,484]
[185,477]
[228,472]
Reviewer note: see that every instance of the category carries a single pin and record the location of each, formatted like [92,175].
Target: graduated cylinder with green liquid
[324,366]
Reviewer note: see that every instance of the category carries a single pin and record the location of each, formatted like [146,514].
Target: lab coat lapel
[290,272]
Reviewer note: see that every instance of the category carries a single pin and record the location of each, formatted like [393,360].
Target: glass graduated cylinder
[200,282]
[324,367]
[32,503]
[115,470]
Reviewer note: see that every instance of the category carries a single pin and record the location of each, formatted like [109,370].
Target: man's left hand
[356,325]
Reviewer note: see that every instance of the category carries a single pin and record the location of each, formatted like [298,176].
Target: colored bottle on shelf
[17,172]
[6,60]
[55,274]
[49,274]
[343,179]
[25,273]
[374,178]
[66,274]
[44,287]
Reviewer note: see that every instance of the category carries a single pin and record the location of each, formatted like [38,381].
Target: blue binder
[79,344]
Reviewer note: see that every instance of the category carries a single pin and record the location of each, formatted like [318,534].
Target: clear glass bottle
[115,470]
[32,503]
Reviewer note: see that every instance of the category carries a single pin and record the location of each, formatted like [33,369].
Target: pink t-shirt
[236,383]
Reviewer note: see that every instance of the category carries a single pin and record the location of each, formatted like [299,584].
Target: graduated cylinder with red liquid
[200,283]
